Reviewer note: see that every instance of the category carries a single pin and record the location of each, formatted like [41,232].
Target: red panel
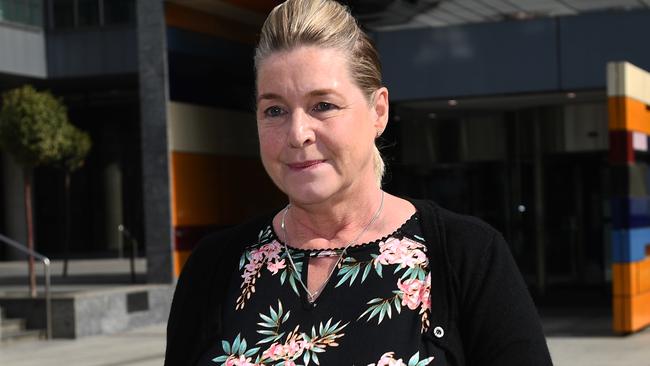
[620,147]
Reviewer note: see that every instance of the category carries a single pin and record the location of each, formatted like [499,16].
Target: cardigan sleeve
[194,318]
[195,315]
[498,320]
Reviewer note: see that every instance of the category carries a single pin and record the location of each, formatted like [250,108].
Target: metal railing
[46,266]
[134,248]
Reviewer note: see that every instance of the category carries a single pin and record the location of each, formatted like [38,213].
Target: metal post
[48,298]
[46,266]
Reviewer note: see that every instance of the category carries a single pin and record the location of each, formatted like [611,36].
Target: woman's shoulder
[230,241]
[455,226]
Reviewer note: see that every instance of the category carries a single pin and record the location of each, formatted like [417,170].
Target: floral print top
[372,312]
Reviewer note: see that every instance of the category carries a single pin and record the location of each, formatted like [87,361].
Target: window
[28,12]
[63,13]
[119,12]
[88,13]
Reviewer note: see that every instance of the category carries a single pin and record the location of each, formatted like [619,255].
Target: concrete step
[22,335]
[10,325]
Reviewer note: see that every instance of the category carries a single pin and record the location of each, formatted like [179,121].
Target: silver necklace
[311,297]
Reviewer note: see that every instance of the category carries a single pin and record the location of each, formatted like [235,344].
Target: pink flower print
[411,292]
[274,267]
[388,360]
[294,348]
[272,250]
[289,363]
[425,294]
[274,352]
[241,361]
[405,252]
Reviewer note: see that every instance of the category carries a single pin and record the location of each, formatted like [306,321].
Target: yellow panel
[627,80]
[628,114]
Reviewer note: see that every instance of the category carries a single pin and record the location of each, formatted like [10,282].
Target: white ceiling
[440,13]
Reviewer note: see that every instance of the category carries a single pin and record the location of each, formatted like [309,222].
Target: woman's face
[316,127]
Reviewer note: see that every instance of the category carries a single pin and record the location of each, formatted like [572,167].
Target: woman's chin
[309,194]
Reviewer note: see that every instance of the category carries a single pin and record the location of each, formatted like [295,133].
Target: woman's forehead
[305,69]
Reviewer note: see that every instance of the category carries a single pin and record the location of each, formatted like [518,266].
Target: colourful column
[628,92]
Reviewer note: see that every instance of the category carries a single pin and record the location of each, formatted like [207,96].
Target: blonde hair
[327,24]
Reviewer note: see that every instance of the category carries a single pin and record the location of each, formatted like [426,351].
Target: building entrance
[536,173]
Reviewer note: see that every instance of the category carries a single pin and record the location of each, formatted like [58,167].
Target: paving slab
[141,347]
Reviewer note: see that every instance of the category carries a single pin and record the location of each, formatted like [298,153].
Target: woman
[345,274]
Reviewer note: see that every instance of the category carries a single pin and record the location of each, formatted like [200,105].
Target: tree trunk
[30,229]
[66,223]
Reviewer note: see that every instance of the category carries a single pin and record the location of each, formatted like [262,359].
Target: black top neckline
[396,232]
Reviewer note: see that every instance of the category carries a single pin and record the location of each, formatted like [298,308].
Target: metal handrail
[134,248]
[46,266]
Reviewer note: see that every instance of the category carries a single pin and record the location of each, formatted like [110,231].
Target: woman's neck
[334,223]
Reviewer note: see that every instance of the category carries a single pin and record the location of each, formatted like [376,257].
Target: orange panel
[259,6]
[631,278]
[631,313]
[219,190]
[628,114]
[180,257]
[200,22]
[644,276]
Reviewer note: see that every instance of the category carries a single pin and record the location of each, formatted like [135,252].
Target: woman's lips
[304,164]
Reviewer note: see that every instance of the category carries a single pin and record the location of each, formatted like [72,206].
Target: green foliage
[76,145]
[35,129]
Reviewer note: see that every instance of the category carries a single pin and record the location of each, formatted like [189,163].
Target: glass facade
[538,174]
[27,12]
[119,12]
[91,13]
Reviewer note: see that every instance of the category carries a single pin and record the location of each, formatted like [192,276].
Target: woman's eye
[273,111]
[324,107]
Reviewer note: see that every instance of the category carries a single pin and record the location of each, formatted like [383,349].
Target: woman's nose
[301,132]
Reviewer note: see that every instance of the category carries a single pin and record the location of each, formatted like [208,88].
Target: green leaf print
[272,323]
[382,308]
[238,348]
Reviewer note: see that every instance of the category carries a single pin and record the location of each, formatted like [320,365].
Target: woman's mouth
[302,165]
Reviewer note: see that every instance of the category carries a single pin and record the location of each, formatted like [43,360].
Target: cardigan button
[438,332]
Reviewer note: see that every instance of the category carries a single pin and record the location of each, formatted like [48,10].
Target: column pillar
[628,93]
[154,95]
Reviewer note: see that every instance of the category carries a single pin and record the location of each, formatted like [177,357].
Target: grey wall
[22,51]
[92,52]
[542,55]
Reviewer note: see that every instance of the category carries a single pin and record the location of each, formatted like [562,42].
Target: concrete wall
[22,51]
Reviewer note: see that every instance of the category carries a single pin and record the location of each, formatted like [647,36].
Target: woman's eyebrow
[268,96]
[323,92]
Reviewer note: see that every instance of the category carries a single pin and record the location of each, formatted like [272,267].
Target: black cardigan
[481,311]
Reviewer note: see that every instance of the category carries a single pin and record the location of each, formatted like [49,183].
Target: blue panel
[474,59]
[210,71]
[630,212]
[197,44]
[629,245]
[589,41]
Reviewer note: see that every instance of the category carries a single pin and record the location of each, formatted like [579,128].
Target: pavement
[578,333]
[146,347]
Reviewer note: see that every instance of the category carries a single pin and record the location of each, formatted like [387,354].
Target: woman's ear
[380,107]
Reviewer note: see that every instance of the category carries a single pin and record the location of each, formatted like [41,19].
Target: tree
[32,129]
[77,144]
